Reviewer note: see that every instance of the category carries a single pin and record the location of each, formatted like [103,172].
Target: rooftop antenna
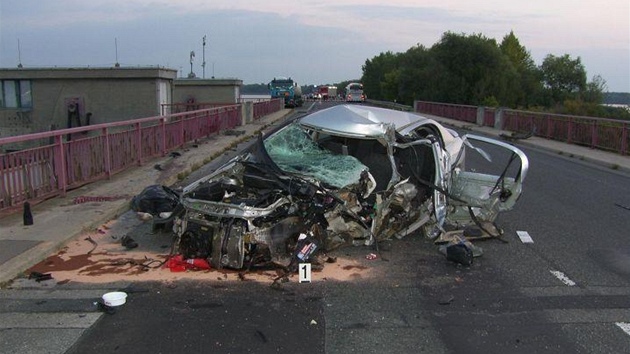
[19,55]
[116,45]
[192,74]
[203,65]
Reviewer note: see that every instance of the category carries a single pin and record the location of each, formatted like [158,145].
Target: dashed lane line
[524,236]
[562,277]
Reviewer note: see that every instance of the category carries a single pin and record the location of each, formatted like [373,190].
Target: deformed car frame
[342,175]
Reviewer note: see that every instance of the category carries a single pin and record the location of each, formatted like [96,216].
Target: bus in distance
[354,92]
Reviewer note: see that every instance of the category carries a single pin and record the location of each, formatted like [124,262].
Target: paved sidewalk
[61,219]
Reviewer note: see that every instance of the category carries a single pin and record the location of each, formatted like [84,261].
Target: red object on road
[179,264]
[371,256]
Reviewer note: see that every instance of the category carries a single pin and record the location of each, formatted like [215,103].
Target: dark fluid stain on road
[349,267]
[58,263]
[616,260]
[87,264]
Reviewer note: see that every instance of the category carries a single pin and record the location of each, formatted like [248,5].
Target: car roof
[361,121]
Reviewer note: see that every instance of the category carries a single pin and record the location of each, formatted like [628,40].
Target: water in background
[254,98]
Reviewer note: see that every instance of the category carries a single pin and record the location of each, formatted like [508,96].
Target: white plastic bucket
[115,298]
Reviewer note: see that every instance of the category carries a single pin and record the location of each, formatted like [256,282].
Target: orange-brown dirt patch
[98,257]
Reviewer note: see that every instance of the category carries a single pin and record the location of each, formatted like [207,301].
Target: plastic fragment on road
[179,264]
[446,300]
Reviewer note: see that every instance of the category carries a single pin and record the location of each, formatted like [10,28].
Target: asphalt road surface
[567,292]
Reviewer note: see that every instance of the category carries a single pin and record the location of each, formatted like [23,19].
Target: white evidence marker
[304,270]
[524,236]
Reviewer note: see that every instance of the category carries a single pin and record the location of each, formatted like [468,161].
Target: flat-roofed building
[40,99]
[195,93]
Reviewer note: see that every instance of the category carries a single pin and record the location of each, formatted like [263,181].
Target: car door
[479,194]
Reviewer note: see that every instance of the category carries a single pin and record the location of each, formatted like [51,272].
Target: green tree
[390,86]
[374,72]
[475,69]
[594,90]
[421,77]
[528,88]
[564,77]
[516,53]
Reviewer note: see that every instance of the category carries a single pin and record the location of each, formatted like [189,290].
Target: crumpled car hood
[358,121]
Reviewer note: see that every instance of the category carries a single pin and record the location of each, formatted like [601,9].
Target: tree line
[476,70]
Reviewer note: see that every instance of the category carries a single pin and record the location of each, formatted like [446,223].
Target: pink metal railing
[597,133]
[172,108]
[264,108]
[489,116]
[446,110]
[60,160]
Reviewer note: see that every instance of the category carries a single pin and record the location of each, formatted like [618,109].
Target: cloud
[321,41]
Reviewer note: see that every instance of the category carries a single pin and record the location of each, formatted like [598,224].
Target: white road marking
[624,326]
[524,236]
[563,278]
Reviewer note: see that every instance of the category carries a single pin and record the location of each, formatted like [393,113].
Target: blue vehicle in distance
[286,88]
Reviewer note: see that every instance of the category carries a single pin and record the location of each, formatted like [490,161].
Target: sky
[314,42]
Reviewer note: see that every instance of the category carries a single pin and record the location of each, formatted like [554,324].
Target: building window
[16,94]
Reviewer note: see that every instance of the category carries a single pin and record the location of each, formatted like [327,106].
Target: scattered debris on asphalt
[128,242]
[27,214]
[233,132]
[39,277]
[446,300]
[94,244]
[623,206]
[371,256]
[89,199]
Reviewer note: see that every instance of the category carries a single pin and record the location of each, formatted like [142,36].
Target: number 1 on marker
[304,270]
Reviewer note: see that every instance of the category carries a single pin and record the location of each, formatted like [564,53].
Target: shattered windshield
[293,151]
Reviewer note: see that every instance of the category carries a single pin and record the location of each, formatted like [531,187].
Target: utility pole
[203,65]
[19,55]
[116,45]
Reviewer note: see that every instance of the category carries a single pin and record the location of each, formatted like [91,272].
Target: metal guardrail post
[481,115]
[107,153]
[182,131]
[594,134]
[138,135]
[498,118]
[624,138]
[60,165]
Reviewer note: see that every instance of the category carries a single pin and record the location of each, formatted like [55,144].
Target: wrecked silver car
[346,175]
